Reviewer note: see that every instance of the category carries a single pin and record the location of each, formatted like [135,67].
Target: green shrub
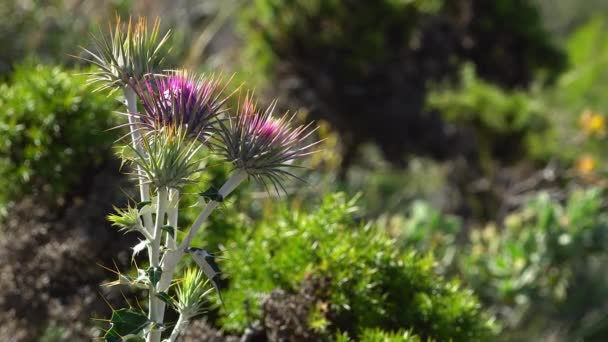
[377,335]
[53,131]
[371,284]
[508,124]
[546,263]
[426,230]
[543,269]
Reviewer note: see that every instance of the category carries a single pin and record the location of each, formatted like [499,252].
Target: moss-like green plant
[372,284]
[53,131]
[508,124]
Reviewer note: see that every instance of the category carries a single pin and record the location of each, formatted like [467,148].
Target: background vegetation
[460,192]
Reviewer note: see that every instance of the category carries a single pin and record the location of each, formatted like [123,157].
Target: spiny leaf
[170,230]
[124,323]
[166,299]
[154,273]
[142,204]
[212,194]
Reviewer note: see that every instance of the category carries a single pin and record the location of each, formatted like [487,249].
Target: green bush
[508,124]
[371,284]
[547,263]
[426,230]
[53,131]
[377,335]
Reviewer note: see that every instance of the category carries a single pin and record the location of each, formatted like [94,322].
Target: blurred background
[469,135]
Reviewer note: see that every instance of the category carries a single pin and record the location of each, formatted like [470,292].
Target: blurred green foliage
[53,132]
[509,124]
[372,284]
[547,260]
[542,269]
[272,27]
[425,229]
[49,29]
[351,62]
[581,89]
[378,335]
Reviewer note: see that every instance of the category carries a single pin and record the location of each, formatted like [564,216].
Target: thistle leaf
[167,299]
[126,322]
[212,194]
[154,273]
[170,230]
[142,204]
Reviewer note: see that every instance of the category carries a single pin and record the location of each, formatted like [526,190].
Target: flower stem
[144,188]
[171,258]
[170,244]
[172,214]
[182,322]
[235,179]
[155,307]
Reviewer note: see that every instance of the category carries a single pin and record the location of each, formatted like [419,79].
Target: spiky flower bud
[191,292]
[126,220]
[261,145]
[168,158]
[181,99]
[128,53]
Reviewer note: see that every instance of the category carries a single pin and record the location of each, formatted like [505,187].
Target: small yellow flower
[586,164]
[593,123]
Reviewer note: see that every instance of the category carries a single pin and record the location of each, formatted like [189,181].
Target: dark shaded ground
[49,262]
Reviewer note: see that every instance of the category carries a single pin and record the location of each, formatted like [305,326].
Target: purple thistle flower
[180,99]
[261,145]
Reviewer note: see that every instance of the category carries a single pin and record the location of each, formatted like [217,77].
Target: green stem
[144,188]
[170,244]
[172,214]
[182,322]
[171,258]
[154,302]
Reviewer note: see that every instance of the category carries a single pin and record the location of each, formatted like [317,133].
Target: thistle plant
[181,114]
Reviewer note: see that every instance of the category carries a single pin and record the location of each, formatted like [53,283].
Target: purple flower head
[180,99]
[261,145]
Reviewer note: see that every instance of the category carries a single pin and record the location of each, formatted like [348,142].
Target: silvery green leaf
[148,208]
[166,299]
[154,273]
[170,230]
[125,322]
[212,194]
[142,204]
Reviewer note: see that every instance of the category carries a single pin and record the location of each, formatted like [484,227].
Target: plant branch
[155,307]
[182,322]
[171,258]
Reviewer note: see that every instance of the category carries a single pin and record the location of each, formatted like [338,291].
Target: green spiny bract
[191,292]
[126,220]
[128,54]
[261,145]
[168,158]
